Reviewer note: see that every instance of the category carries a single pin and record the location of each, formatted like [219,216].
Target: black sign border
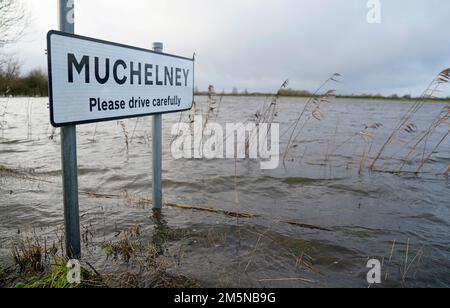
[50,79]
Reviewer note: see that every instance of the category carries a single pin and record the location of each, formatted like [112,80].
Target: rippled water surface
[321,216]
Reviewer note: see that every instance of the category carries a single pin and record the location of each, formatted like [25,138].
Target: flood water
[321,216]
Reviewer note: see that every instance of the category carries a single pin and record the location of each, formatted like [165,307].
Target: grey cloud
[256,44]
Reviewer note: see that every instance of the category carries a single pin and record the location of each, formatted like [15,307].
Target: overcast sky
[256,44]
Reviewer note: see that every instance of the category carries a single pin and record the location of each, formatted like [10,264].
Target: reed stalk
[432,89]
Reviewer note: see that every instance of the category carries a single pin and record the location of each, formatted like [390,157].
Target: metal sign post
[69,156]
[92,80]
[157,151]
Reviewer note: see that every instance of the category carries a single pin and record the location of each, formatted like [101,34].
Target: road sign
[93,80]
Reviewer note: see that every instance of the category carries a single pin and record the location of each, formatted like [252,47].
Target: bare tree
[13,21]
[9,74]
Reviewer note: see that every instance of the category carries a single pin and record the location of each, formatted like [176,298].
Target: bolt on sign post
[92,80]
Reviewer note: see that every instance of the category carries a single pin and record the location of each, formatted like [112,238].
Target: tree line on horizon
[14,21]
[304,93]
[32,84]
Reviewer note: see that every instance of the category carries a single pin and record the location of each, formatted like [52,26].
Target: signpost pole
[157,151]
[69,156]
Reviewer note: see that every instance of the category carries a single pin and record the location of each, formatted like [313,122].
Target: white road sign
[93,80]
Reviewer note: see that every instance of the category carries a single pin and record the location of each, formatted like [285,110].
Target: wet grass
[142,201]
[28,255]
[147,258]
[127,247]
[26,175]
[56,278]
[7,170]
[38,265]
[135,259]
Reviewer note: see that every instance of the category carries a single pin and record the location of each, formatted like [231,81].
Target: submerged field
[314,221]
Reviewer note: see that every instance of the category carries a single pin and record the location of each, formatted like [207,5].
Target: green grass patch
[4,169]
[57,279]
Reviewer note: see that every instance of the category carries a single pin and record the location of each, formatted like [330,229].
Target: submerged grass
[143,201]
[20,174]
[135,260]
[7,170]
[403,264]
[126,136]
[148,259]
[37,265]
[29,255]
[56,278]
[126,247]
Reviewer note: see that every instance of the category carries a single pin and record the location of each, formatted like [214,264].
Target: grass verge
[38,265]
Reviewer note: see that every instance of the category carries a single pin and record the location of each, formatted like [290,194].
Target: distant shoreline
[399,99]
[412,99]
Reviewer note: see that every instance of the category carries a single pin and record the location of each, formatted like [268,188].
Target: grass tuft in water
[57,279]
[7,170]
[29,255]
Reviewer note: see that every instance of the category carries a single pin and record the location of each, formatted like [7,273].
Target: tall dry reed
[430,93]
